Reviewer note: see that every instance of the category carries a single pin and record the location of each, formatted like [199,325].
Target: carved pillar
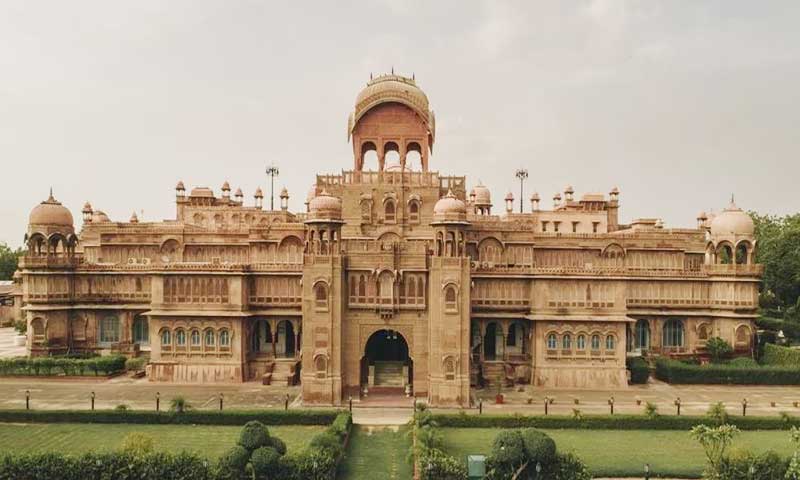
[273,326]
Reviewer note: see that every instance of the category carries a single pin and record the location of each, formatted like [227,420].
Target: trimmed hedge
[608,422]
[198,417]
[113,465]
[47,366]
[674,371]
[640,370]
[777,355]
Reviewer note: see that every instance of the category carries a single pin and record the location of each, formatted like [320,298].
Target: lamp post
[611,404]
[273,172]
[521,174]
[480,407]
[546,401]
[678,405]
[646,471]
[220,401]
[158,401]
[27,399]
[93,400]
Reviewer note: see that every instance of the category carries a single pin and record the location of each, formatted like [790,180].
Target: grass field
[377,454]
[208,441]
[624,453]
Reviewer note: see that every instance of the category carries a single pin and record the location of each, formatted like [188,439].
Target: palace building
[397,279]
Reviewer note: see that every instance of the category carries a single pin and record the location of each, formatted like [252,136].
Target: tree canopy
[778,249]
[8,261]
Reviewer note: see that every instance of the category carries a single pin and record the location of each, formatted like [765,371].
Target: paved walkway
[7,347]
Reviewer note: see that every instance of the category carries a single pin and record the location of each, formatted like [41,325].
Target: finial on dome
[392,69]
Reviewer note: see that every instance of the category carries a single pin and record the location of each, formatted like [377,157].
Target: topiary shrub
[507,455]
[278,445]
[254,435]
[232,464]
[717,413]
[538,446]
[264,461]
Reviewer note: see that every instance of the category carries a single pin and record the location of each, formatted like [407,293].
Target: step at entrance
[389,374]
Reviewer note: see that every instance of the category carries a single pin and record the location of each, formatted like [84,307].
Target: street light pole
[272,171]
[522,174]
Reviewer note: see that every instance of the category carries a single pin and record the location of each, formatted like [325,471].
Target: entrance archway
[386,362]
[490,342]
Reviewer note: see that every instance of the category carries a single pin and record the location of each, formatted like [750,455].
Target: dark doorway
[490,342]
[386,351]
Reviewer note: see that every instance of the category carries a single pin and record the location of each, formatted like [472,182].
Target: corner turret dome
[450,209]
[50,213]
[732,221]
[325,207]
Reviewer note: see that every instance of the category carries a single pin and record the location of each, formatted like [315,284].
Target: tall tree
[8,261]
[778,249]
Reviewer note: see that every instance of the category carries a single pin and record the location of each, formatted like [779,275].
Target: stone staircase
[492,369]
[389,374]
[284,371]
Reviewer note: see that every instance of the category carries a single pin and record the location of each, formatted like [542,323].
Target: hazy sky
[679,103]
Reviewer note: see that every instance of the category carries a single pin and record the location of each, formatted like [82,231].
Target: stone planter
[19,340]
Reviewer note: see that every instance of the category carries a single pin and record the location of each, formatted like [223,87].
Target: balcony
[49,261]
[734,270]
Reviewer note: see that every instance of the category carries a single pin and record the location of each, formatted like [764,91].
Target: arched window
[37,327]
[580,342]
[210,338]
[141,330]
[703,331]
[741,253]
[413,212]
[743,336]
[552,341]
[611,342]
[321,366]
[109,330]
[389,211]
[166,338]
[450,302]
[180,338]
[642,334]
[566,342]
[195,338]
[321,295]
[595,342]
[673,333]
[224,339]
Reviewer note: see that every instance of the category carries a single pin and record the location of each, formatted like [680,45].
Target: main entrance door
[386,364]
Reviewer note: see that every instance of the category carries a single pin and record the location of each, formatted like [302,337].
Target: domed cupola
[730,236]
[50,216]
[325,207]
[449,209]
[483,199]
[733,221]
[50,228]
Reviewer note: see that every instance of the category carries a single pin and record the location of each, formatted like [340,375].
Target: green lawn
[624,453]
[377,453]
[206,440]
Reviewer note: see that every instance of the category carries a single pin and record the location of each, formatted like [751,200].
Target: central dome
[392,88]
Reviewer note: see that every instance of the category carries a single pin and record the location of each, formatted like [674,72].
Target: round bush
[254,435]
[278,445]
[234,461]
[538,446]
[508,448]
[264,461]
